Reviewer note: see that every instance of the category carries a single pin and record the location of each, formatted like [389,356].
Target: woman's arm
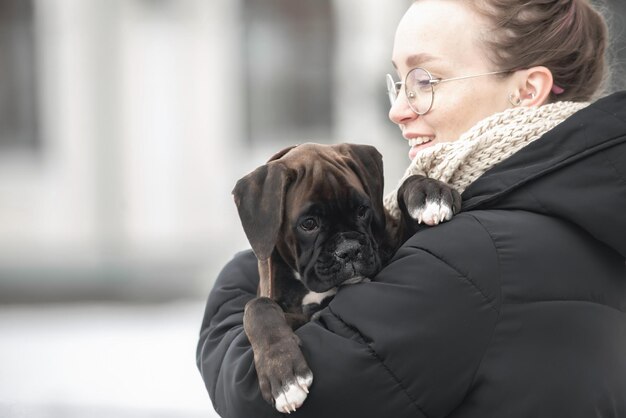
[224,355]
[406,344]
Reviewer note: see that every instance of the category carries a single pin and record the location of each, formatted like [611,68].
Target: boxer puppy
[315,219]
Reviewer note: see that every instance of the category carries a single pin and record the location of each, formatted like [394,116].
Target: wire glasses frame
[419,88]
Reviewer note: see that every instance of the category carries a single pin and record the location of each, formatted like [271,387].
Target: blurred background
[124,125]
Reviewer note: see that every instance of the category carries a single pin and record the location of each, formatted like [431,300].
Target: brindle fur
[334,181]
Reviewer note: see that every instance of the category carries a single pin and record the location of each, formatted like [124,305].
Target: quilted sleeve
[408,344]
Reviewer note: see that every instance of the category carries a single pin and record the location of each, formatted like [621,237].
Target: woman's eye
[423,84]
[309,224]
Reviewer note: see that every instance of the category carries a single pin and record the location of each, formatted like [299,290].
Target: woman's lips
[418,143]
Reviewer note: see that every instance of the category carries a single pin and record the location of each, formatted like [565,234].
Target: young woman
[515,307]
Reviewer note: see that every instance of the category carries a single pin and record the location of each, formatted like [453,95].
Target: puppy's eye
[362,211]
[309,224]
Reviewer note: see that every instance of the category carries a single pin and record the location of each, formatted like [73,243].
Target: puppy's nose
[348,249]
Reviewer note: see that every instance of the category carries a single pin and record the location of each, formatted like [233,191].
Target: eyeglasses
[419,88]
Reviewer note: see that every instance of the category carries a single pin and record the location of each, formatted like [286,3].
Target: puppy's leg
[295,320]
[427,200]
[284,376]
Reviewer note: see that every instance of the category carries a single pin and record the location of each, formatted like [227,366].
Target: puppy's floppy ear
[367,163]
[260,200]
[281,153]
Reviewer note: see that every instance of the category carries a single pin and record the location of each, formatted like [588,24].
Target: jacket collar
[590,130]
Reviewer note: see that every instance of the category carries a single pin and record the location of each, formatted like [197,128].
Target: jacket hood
[576,171]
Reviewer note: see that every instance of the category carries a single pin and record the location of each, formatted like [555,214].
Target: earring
[516,102]
[532,95]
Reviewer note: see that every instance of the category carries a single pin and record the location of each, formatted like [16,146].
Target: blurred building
[124,125]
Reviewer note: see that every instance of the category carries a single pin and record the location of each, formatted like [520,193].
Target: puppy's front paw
[284,376]
[427,200]
[293,394]
[431,212]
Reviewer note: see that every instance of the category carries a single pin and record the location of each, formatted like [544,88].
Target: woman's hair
[569,37]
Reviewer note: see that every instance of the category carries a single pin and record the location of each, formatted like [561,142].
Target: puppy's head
[320,208]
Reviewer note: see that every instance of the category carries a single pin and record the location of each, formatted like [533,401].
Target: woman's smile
[418,142]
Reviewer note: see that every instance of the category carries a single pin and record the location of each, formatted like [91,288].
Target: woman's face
[443,36]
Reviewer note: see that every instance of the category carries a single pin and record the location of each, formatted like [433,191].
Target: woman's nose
[400,112]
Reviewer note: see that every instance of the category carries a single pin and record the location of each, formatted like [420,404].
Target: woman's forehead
[434,31]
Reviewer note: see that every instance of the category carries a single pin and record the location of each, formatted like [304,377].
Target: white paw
[293,394]
[432,213]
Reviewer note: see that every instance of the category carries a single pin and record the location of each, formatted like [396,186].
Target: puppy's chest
[294,297]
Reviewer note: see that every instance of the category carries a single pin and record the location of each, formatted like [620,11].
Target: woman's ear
[535,86]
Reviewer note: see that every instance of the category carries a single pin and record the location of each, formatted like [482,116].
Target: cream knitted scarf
[461,162]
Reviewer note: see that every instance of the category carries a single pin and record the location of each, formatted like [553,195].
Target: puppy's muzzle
[348,250]
[348,258]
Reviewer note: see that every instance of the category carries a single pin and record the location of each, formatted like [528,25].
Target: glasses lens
[419,90]
[392,89]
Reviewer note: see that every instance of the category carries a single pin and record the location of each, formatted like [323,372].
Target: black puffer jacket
[514,308]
